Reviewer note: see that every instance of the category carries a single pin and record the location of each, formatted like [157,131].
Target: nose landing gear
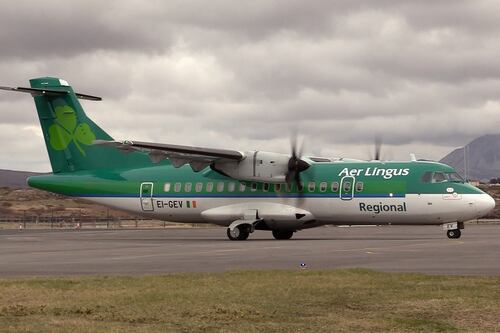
[453,229]
[455,233]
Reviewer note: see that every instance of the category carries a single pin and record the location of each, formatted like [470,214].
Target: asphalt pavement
[423,249]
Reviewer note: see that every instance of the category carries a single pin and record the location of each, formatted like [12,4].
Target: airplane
[243,191]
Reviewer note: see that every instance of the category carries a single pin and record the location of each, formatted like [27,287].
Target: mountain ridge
[482,155]
[15,178]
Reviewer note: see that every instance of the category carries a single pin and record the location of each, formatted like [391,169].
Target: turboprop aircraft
[244,191]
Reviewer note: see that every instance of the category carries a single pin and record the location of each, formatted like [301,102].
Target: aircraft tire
[239,233]
[454,234]
[282,234]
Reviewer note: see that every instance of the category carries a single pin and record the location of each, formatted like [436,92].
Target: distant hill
[483,158]
[16,179]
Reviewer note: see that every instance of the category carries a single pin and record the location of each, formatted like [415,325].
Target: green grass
[253,301]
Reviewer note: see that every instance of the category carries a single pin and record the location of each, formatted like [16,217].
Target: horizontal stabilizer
[49,92]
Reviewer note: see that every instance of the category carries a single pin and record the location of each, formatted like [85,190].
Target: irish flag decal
[191,204]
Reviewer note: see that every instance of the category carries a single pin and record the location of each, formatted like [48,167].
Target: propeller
[295,166]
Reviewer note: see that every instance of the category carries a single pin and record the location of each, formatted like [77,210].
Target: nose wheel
[455,233]
[453,229]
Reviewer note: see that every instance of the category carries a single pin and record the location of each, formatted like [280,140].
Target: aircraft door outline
[146,196]
[349,193]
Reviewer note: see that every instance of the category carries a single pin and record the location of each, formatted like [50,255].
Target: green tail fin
[69,133]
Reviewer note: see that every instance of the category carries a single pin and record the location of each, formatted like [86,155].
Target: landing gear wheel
[455,233]
[238,233]
[282,234]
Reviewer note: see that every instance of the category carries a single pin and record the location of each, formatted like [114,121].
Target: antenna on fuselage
[413,158]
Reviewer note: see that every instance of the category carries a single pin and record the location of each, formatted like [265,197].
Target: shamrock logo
[66,129]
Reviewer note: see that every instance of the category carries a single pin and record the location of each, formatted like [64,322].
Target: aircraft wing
[197,157]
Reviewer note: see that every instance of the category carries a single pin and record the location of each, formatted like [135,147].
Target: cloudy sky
[425,76]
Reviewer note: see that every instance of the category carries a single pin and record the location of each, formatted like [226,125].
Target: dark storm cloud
[244,75]
[61,29]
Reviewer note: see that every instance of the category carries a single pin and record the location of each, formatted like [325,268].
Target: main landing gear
[282,234]
[453,229]
[240,232]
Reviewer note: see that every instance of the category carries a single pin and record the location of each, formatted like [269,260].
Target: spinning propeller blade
[295,166]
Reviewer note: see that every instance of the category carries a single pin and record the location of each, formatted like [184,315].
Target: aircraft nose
[485,204]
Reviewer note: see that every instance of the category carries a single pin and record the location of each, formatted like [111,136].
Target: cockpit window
[438,177]
[427,177]
[454,177]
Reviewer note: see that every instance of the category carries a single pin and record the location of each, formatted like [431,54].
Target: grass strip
[353,300]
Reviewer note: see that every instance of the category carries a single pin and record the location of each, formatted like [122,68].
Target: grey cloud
[243,76]
[61,29]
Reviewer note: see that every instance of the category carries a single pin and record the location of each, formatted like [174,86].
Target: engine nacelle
[259,166]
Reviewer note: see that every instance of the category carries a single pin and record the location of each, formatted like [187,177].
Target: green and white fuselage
[244,191]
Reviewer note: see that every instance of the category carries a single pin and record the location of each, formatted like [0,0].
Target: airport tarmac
[423,249]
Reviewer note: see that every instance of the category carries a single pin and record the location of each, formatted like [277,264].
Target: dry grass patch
[253,301]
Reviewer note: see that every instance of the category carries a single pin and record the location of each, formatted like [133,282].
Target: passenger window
[311,186]
[300,186]
[210,187]
[347,186]
[438,177]
[427,177]
[266,187]
[198,187]
[187,187]
[243,187]
[230,187]
[254,187]
[335,186]
[359,186]
[288,187]
[277,187]
[323,186]
[220,186]
[177,187]
[166,187]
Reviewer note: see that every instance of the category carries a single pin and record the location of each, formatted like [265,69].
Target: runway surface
[130,252]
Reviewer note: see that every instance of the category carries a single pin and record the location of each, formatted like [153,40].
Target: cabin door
[146,196]
[347,188]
